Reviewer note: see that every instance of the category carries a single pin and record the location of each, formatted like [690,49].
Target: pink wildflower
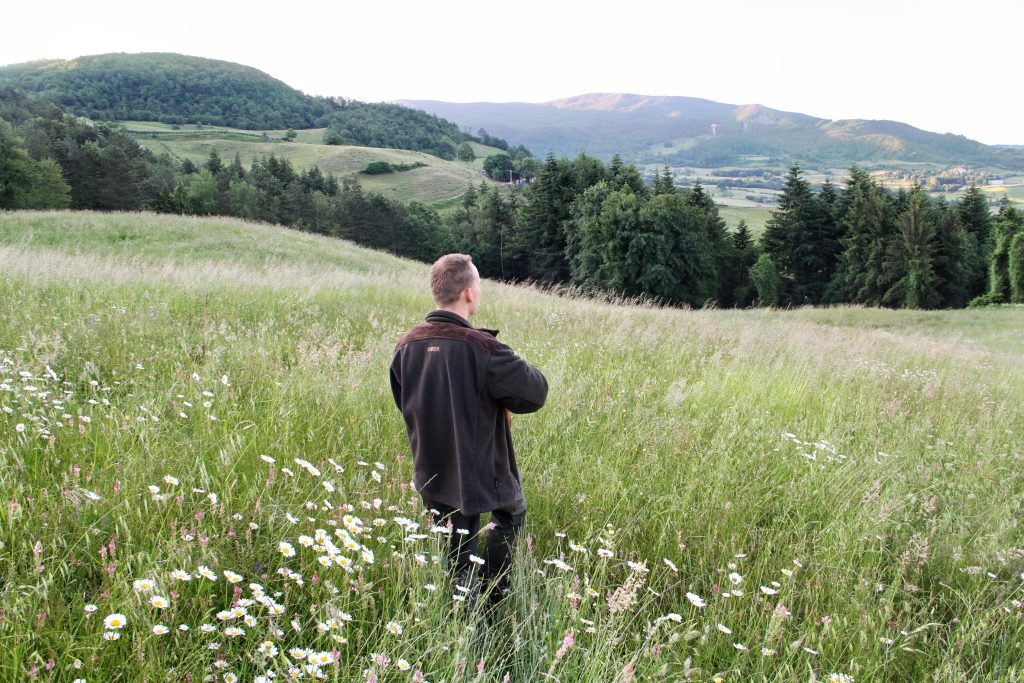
[566,645]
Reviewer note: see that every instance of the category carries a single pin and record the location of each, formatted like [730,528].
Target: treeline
[601,228]
[271,190]
[50,160]
[579,222]
[866,245]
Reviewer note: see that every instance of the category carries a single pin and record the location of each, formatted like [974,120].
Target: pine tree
[626,177]
[664,183]
[868,226]
[955,253]
[469,198]
[912,255]
[540,248]
[802,239]
[741,239]
[744,256]
[604,221]
[213,162]
[237,171]
[717,239]
[586,171]
[976,219]
[589,245]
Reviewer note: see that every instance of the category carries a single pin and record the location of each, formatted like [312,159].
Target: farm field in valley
[198,442]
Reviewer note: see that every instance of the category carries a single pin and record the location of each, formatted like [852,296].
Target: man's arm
[396,384]
[516,384]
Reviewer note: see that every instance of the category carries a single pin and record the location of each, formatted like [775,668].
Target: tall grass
[752,495]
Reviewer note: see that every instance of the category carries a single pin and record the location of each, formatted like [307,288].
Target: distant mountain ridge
[692,131]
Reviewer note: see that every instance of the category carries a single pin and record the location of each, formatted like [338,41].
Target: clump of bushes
[381,167]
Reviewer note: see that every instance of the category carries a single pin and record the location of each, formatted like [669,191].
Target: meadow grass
[754,495]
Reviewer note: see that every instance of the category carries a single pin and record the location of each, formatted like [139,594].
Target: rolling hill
[437,180]
[687,131]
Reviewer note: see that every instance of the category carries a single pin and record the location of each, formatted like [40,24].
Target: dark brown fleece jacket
[453,384]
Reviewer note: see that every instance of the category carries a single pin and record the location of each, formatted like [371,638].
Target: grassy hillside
[784,495]
[439,180]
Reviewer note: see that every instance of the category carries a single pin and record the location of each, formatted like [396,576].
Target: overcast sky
[943,66]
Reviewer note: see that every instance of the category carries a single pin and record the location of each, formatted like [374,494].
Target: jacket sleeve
[517,385]
[396,384]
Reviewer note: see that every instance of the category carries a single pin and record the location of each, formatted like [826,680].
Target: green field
[438,181]
[797,495]
[755,216]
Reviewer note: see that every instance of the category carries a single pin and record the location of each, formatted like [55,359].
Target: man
[456,386]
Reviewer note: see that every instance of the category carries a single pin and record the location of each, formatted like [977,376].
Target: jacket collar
[440,316]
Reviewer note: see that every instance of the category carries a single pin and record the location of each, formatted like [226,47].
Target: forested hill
[179,89]
[687,131]
[170,88]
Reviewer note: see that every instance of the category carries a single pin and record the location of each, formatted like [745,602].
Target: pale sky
[943,66]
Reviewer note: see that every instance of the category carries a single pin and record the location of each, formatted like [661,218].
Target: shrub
[378,168]
[766,280]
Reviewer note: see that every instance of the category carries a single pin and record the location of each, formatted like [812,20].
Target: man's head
[455,284]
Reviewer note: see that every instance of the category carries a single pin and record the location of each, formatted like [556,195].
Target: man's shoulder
[480,339]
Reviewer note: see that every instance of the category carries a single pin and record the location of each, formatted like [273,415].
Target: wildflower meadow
[203,477]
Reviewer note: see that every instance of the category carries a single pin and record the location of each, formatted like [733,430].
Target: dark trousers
[498,546]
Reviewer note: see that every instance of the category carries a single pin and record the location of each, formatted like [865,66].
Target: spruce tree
[802,239]
[912,254]
[954,256]
[868,226]
[976,219]
[540,247]
[716,237]
[213,162]
[588,242]
[664,183]
[744,256]
[627,178]
[586,171]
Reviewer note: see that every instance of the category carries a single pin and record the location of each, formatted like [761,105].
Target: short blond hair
[449,275]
